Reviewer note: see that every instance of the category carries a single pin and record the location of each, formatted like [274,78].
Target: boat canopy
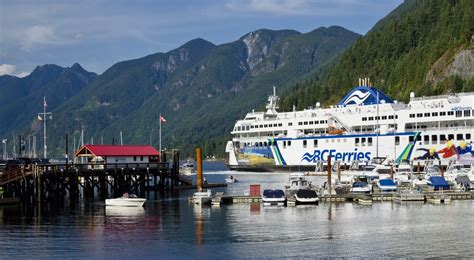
[387,182]
[438,182]
[273,193]
[363,95]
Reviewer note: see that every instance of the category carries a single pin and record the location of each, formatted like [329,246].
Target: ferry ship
[364,125]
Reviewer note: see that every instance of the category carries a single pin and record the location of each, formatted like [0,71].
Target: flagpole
[160,135]
[44,124]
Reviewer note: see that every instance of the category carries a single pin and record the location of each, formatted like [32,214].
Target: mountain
[22,98]
[422,46]
[200,88]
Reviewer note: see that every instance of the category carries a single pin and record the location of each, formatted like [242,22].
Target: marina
[168,223]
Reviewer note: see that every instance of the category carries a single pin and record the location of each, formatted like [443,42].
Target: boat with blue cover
[387,185]
[273,197]
[438,183]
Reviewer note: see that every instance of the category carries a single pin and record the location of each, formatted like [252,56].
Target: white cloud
[37,34]
[278,7]
[8,69]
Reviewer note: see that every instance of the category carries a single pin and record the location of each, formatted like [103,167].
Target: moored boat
[306,196]
[273,197]
[127,200]
[202,197]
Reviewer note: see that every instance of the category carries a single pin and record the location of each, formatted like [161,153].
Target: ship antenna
[378,127]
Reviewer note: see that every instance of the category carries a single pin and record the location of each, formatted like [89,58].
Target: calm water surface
[169,227]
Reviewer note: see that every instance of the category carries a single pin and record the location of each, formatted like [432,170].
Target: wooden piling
[391,171]
[199,168]
[339,171]
[329,174]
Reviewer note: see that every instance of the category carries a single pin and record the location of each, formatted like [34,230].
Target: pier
[55,182]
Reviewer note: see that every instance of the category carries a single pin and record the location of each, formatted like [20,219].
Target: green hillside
[200,88]
[422,46]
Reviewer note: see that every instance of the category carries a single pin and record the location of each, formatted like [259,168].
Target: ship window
[265,126]
[442,113]
[459,137]
[418,137]
[311,122]
[315,143]
[371,118]
[363,141]
[397,140]
[450,113]
[284,144]
[442,139]
[300,123]
[251,126]
[427,114]
[304,143]
[411,138]
[426,139]
[468,136]
[261,144]
[419,115]
[364,119]
[450,137]
[305,122]
[458,113]
[369,140]
[412,115]
[290,124]
[141,158]
[377,118]
[321,122]
[434,114]
[434,139]
[384,117]
[467,112]
[396,116]
[390,117]
[289,143]
[280,124]
[357,142]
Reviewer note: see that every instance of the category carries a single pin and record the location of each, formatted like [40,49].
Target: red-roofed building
[119,153]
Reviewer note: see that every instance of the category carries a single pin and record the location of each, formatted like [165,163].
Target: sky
[100,33]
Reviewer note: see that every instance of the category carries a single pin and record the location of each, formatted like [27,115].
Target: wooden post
[339,171]
[418,168]
[199,168]
[391,171]
[329,174]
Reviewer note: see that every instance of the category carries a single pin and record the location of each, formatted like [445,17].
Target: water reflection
[124,212]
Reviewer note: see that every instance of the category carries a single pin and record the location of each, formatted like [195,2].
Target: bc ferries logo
[358,97]
[321,155]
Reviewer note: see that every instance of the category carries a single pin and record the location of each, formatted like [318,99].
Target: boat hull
[125,202]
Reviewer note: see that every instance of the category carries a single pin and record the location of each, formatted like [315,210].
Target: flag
[39,118]
[162,119]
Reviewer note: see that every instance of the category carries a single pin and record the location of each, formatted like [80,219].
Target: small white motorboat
[231,179]
[187,168]
[202,197]
[274,197]
[127,200]
[306,197]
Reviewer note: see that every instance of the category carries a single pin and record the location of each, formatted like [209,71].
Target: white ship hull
[439,128]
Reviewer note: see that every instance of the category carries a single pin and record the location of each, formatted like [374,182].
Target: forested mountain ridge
[422,46]
[200,88]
